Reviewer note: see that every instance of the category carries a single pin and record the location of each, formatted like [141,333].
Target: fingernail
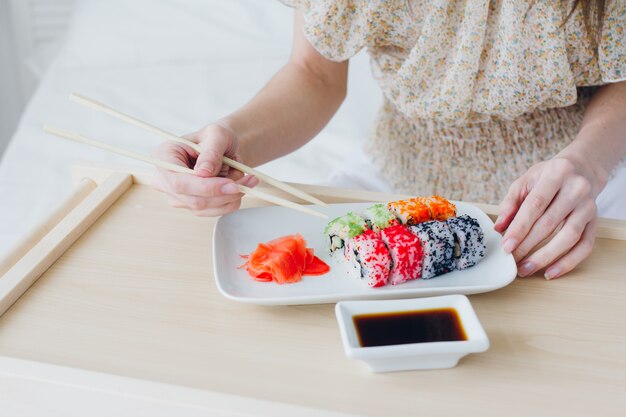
[525,269]
[498,220]
[230,188]
[509,245]
[253,182]
[552,272]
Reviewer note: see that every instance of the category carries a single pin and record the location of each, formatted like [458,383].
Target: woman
[478,96]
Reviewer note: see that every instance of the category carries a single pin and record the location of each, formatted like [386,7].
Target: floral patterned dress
[476,91]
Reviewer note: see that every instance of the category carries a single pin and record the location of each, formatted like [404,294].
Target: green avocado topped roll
[341,229]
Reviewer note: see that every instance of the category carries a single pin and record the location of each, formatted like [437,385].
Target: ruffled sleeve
[484,59]
[339,29]
[488,59]
[613,45]
[499,59]
[607,63]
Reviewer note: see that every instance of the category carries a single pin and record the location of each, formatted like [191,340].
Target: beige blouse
[476,91]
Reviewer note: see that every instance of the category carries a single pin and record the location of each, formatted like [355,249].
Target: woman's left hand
[549,217]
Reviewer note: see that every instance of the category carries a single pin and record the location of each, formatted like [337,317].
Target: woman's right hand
[212,191]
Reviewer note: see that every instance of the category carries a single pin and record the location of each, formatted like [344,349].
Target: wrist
[227,124]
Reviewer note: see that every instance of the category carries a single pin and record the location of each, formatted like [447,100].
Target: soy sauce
[402,327]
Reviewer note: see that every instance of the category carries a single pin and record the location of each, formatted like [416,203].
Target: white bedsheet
[176,63]
[179,64]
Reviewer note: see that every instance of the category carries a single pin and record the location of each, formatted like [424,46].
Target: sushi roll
[340,230]
[469,241]
[406,254]
[378,217]
[370,258]
[410,212]
[440,208]
[438,247]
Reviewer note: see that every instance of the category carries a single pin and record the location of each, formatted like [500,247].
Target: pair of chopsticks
[182,169]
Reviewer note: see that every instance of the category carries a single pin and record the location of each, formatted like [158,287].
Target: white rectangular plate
[240,232]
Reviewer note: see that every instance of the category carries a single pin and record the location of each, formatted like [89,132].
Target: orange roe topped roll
[422,209]
[440,208]
[410,212]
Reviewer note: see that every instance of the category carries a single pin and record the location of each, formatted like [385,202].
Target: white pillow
[124,33]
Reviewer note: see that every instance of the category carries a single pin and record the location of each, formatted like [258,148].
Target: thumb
[209,163]
[215,142]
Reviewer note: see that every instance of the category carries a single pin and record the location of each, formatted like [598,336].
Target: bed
[178,64]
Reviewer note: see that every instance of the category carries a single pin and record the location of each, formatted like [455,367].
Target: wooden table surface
[135,297]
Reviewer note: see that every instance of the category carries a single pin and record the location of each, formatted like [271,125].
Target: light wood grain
[135,297]
[83,188]
[47,250]
[31,389]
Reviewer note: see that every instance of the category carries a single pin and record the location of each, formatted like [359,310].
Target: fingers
[212,205]
[235,174]
[216,142]
[576,255]
[572,193]
[566,239]
[185,184]
[510,205]
[549,195]
[249,181]
[176,153]
[533,206]
[212,190]
[191,185]
[199,203]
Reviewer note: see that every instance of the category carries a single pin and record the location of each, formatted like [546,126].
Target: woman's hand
[212,191]
[549,216]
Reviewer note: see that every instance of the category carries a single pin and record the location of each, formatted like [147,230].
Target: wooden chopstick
[89,102]
[176,168]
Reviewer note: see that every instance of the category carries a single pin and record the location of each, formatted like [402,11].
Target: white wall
[11,97]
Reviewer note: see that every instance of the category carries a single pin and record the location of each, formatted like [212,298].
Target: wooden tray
[110,308]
